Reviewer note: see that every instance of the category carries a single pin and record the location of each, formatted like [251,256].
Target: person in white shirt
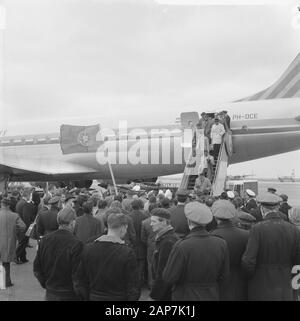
[217,132]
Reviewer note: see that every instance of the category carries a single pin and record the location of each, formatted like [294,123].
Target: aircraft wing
[34,167]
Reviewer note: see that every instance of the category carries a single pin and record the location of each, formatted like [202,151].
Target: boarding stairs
[194,163]
[220,169]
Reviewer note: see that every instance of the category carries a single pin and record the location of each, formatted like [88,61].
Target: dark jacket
[164,243]
[47,221]
[179,221]
[273,248]
[234,288]
[87,226]
[56,262]
[107,272]
[130,236]
[27,211]
[256,212]
[196,266]
[284,208]
[250,205]
[137,218]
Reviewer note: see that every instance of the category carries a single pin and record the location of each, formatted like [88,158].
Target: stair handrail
[218,161]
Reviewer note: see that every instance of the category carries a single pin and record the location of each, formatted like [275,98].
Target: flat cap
[246,217]
[268,199]
[223,209]
[284,197]
[198,213]
[66,216]
[272,189]
[250,193]
[161,212]
[54,200]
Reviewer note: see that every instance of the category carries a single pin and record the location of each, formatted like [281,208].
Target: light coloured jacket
[11,226]
[217,132]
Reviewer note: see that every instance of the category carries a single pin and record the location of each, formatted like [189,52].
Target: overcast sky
[140,61]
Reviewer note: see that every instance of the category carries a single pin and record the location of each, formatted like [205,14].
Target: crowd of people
[179,246]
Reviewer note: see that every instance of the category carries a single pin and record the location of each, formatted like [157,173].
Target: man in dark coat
[57,259]
[178,219]
[87,226]
[138,215]
[148,237]
[11,226]
[47,220]
[234,288]
[199,262]
[164,241]
[108,267]
[27,211]
[273,249]
[284,206]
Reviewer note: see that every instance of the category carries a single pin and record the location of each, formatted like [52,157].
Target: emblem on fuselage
[84,138]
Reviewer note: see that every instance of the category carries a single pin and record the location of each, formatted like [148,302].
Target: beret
[161,212]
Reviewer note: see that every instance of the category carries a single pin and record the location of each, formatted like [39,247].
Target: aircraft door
[188,118]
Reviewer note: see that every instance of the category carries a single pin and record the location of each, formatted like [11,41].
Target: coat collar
[198,231]
[225,224]
[161,234]
[110,238]
[272,215]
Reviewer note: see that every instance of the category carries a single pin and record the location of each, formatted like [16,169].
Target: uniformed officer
[250,201]
[273,249]
[200,262]
[234,288]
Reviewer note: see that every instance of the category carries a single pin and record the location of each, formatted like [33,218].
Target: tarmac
[26,286]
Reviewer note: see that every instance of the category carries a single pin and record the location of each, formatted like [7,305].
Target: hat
[66,216]
[69,196]
[230,195]
[6,201]
[161,212]
[250,192]
[198,213]
[223,209]
[203,114]
[54,200]
[181,192]
[243,216]
[284,197]
[136,188]
[272,189]
[268,199]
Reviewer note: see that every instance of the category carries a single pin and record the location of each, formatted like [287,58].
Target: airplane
[264,124]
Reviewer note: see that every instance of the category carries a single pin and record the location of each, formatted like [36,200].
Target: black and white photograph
[150,152]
